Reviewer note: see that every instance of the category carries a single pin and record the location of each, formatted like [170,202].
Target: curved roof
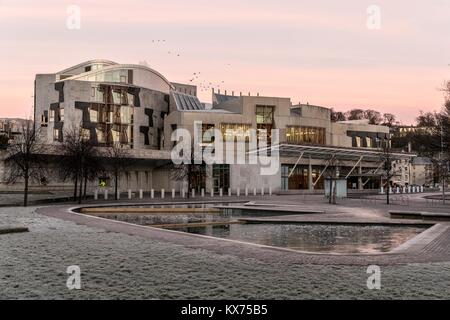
[87,63]
[119,67]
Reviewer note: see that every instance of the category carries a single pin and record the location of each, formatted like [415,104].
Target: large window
[264,122]
[235,132]
[301,134]
[221,177]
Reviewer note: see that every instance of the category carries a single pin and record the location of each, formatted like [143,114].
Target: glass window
[358,142]
[52,115]
[235,131]
[301,134]
[55,135]
[61,114]
[264,114]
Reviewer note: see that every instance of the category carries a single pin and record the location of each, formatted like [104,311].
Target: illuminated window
[301,134]
[235,132]
[358,142]
[61,114]
[55,135]
[52,115]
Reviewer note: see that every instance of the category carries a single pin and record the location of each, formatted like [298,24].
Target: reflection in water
[315,238]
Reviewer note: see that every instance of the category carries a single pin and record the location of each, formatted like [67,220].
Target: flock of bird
[195,78]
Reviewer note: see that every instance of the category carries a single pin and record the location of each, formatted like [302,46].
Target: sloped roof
[185,102]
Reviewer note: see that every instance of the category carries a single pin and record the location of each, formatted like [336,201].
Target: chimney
[249,94]
[240,93]
[218,91]
[225,92]
[232,93]
[257,94]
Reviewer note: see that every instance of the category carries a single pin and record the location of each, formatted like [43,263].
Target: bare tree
[118,159]
[25,159]
[331,173]
[387,158]
[80,161]
[193,173]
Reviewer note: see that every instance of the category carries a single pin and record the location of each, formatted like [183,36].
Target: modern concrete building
[137,107]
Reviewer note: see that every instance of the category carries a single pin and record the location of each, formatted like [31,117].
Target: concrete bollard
[262,191]
[397,190]
[203,193]
[163,194]
[409,189]
[390,190]
[173,193]
[229,192]
[254,192]
[404,190]
[212,193]
[106,194]
[141,194]
[95,194]
[118,194]
[270,191]
[422,189]
[414,189]
[246,191]
[238,192]
[221,192]
[129,194]
[382,190]
[193,193]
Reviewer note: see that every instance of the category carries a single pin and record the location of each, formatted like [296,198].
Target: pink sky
[319,52]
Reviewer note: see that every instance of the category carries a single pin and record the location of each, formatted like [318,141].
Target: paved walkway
[132,262]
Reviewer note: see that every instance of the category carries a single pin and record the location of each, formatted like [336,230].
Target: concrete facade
[139,108]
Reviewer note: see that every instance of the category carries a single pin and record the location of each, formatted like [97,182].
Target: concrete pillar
[203,193]
[404,190]
[141,194]
[95,194]
[255,192]
[173,193]
[397,190]
[212,193]
[409,189]
[238,192]
[129,194]
[229,192]
[246,191]
[382,190]
[422,189]
[163,194]
[360,180]
[118,194]
[106,194]
[270,191]
[262,191]
[152,193]
[310,179]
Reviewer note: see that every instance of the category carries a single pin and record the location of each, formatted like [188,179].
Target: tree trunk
[443,190]
[116,184]
[75,189]
[189,181]
[25,192]
[81,189]
[331,190]
[388,189]
[85,186]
